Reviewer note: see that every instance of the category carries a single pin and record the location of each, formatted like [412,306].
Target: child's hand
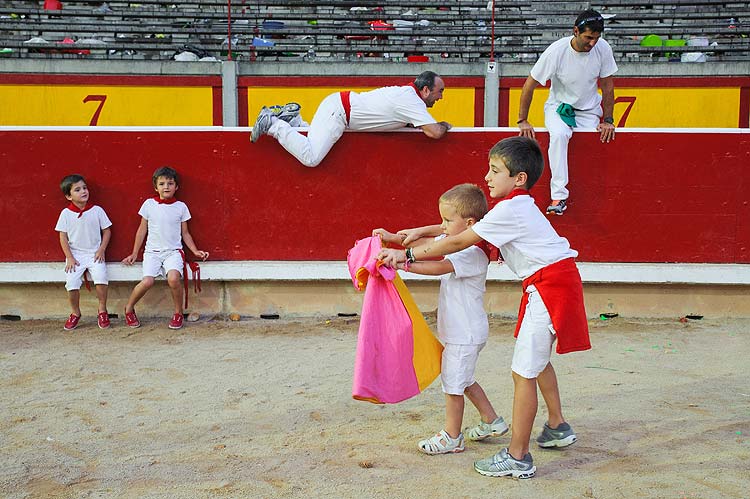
[409,236]
[392,257]
[387,237]
[99,256]
[129,260]
[203,255]
[71,264]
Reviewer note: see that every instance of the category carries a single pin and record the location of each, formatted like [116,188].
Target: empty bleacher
[289,30]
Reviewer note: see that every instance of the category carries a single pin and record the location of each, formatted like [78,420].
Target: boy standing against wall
[84,235]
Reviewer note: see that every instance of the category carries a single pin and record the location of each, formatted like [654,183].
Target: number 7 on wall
[102,99]
[624,117]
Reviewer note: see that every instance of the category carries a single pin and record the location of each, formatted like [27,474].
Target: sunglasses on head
[590,20]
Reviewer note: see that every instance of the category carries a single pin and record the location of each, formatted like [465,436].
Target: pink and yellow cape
[397,354]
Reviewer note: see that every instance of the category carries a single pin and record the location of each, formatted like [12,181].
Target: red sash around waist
[559,285]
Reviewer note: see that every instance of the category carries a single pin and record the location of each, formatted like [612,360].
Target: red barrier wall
[647,197]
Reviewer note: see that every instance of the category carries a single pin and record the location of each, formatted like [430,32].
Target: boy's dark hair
[425,79]
[590,20]
[467,199]
[167,172]
[520,154]
[67,183]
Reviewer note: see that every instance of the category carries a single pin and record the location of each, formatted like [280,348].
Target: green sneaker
[503,464]
[562,436]
[484,430]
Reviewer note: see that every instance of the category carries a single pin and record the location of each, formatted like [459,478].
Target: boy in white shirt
[84,235]
[552,308]
[164,220]
[462,320]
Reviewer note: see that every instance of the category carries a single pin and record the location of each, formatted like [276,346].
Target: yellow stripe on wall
[655,107]
[456,107]
[63,105]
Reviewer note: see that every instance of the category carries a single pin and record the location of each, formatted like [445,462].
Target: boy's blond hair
[467,199]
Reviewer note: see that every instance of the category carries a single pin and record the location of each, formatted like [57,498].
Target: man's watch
[609,120]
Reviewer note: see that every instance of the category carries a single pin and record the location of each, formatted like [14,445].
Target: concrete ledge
[231,271]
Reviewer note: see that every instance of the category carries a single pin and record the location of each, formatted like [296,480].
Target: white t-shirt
[574,74]
[526,239]
[84,233]
[164,224]
[387,108]
[462,319]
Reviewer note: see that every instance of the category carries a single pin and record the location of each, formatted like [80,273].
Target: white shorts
[154,263]
[97,271]
[533,348]
[457,369]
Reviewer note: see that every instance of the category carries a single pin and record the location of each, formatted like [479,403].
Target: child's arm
[70,261]
[444,246]
[410,236]
[106,235]
[140,236]
[441,267]
[188,240]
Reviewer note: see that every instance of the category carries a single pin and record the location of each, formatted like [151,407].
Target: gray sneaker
[484,430]
[287,112]
[557,207]
[503,464]
[562,436]
[262,124]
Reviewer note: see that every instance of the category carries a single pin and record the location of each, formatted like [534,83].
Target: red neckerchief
[165,201]
[78,210]
[518,191]
[412,85]
[492,251]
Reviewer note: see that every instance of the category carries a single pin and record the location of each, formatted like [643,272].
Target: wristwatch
[609,120]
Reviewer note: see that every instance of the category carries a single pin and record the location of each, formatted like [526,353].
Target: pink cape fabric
[384,366]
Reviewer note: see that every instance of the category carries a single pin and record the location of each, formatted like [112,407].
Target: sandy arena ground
[263,409]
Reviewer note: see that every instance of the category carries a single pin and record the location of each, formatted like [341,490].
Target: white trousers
[559,136]
[327,127]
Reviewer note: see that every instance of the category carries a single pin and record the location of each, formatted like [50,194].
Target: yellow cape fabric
[428,350]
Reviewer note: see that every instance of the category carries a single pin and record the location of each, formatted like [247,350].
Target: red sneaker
[132,320]
[176,322]
[103,320]
[72,322]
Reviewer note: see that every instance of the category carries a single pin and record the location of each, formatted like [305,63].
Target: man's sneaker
[286,112]
[176,322]
[103,320]
[557,207]
[72,322]
[484,430]
[262,124]
[289,113]
[132,320]
[503,464]
[562,436]
[442,443]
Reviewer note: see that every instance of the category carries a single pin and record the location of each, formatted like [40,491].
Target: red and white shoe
[103,320]
[132,320]
[176,322]
[72,322]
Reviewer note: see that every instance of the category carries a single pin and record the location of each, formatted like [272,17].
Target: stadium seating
[274,30]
